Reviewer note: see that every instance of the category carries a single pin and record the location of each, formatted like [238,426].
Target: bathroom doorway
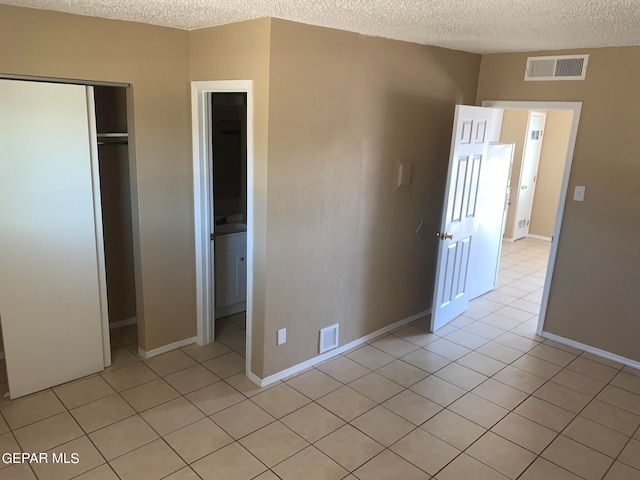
[205,213]
[229,195]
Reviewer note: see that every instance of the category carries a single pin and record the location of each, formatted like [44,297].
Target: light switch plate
[403,175]
[578,193]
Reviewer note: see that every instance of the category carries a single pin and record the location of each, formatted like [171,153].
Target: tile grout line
[575,416]
[404,389]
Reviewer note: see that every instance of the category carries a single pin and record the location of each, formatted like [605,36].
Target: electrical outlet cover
[282,336]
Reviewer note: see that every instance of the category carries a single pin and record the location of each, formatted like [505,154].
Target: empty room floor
[483,398]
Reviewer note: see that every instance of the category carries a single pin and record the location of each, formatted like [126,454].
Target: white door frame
[576,108]
[202,202]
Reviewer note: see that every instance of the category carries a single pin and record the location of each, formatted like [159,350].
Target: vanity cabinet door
[231,277]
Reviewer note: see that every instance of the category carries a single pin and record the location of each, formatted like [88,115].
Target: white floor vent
[329,338]
[565,67]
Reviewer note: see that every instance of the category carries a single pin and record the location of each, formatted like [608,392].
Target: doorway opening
[528,253]
[465,275]
[228,121]
[223,206]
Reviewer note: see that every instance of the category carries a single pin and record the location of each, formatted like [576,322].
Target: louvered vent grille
[568,67]
[328,338]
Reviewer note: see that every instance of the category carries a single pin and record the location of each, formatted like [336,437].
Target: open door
[529,173]
[490,219]
[469,146]
[52,302]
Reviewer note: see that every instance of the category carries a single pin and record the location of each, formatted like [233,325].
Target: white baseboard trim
[539,237]
[123,323]
[254,378]
[508,240]
[166,348]
[333,353]
[588,348]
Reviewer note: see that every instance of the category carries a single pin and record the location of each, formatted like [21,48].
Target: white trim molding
[589,349]
[123,323]
[333,353]
[576,108]
[539,237]
[202,200]
[166,348]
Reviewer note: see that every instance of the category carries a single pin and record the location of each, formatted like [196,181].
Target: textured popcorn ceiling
[481,26]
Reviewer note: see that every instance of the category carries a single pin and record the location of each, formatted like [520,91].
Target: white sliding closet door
[50,244]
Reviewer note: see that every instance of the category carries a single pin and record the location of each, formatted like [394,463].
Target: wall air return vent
[328,338]
[565,67]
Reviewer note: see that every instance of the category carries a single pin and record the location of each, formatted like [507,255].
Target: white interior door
[50,285]
[489,219]
[529,172]
[469,145]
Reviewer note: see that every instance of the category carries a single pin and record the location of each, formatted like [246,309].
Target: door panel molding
[469,148]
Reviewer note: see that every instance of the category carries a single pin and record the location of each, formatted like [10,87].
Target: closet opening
[67,200]
[117,221]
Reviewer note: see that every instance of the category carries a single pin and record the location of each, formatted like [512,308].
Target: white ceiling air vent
[328,338]
[565,67]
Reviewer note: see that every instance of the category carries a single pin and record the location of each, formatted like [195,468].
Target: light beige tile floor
[483,398]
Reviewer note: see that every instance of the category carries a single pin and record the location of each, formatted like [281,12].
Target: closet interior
[115,193]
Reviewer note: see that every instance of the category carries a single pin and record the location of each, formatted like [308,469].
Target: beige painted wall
[594,291]
[154,61]
[340,244]
[514,130]
[240,51]
[553,157]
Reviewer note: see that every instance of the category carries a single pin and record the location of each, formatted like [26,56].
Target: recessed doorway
[212,220]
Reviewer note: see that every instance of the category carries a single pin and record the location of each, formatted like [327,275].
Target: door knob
[444,236]
[524,187]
